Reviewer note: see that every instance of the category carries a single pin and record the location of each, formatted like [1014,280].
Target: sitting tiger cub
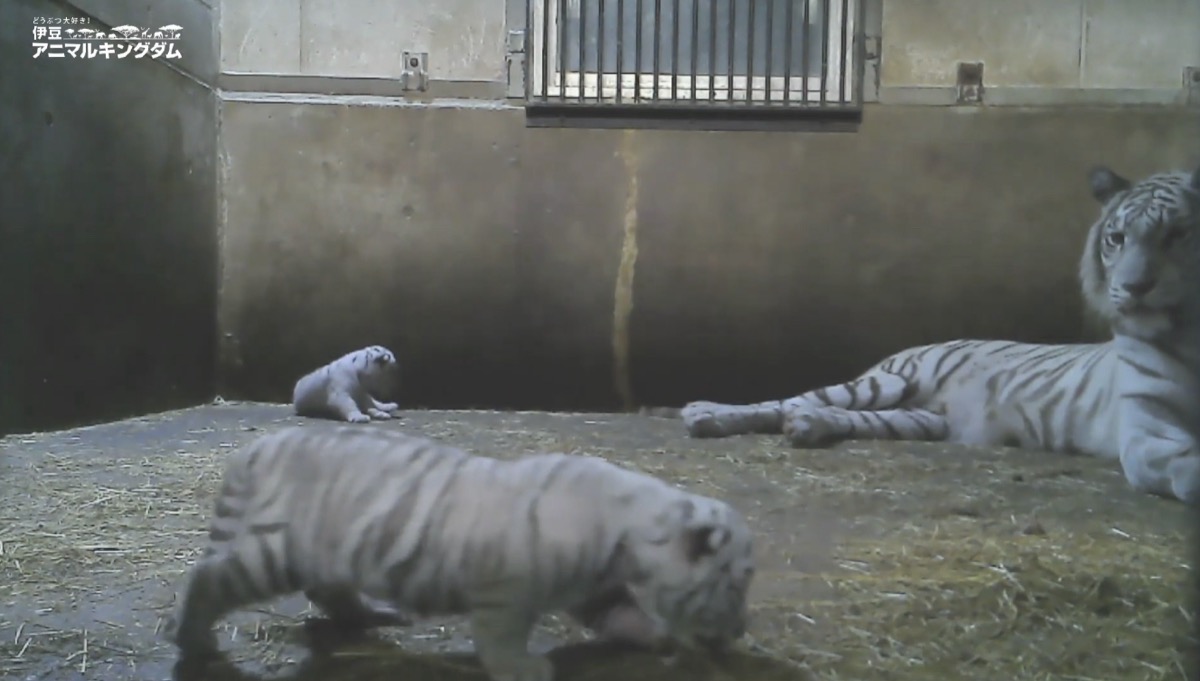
[345,388]
[372,523]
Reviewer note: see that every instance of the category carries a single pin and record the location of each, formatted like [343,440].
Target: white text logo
[74,38]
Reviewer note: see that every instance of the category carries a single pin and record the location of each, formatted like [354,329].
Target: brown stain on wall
[623,295]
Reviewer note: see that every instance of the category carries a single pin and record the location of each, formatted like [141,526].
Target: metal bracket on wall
[872,55]
[516,63]
[415,75]
[970,82]
[1191,85]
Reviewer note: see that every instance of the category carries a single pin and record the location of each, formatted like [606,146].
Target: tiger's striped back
[366,520]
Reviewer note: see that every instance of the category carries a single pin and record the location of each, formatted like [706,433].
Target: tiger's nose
[1139,288]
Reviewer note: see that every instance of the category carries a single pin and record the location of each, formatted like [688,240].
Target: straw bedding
[877,560]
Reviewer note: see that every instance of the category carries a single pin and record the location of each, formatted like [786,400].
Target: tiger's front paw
[387,406]
[805,429]
[524,667]
[358,418]
[379,414]
[700,419]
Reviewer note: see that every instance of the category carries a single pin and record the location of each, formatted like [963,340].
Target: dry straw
[922,603]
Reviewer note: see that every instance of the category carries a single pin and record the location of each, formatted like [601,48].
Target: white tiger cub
[1135,398]
[372,523]
[345,388]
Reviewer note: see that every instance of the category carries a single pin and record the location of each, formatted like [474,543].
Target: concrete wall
[520,267]
[488,255]
[464,38]
[107,240]
[1039,48]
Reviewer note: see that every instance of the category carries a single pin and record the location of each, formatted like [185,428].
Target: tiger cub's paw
[628,624]
[194,646]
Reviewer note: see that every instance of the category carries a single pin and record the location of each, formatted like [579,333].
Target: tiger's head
[1140,268]
[377,366]
[374,359]
[694,561]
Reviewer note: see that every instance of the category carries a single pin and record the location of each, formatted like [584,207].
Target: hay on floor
[927,601]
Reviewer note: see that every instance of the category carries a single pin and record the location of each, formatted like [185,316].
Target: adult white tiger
[345,388]
[1135,398]
[372,524]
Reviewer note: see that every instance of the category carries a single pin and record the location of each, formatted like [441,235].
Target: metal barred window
[716,56]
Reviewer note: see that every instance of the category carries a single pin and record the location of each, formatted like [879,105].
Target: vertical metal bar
[824,51]
[806,47]
[675,50]
[860,48]
[599,49]
[582,46]
[545,50]
[561,18]
[844,61]
[657,44]
[769,46]
[695,45]
[637,56]
[732,35]
[620,46]
[751,27]
[712,50]
[787,48]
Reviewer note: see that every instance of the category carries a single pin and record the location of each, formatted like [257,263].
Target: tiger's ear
[704,540]
[1105,183]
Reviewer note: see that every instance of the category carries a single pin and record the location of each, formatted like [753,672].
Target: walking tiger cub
[1135,398]
[345,388]
[373,525]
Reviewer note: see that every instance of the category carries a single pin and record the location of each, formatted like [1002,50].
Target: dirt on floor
[876,560]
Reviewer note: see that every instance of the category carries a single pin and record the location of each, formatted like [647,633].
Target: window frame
[842,94]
